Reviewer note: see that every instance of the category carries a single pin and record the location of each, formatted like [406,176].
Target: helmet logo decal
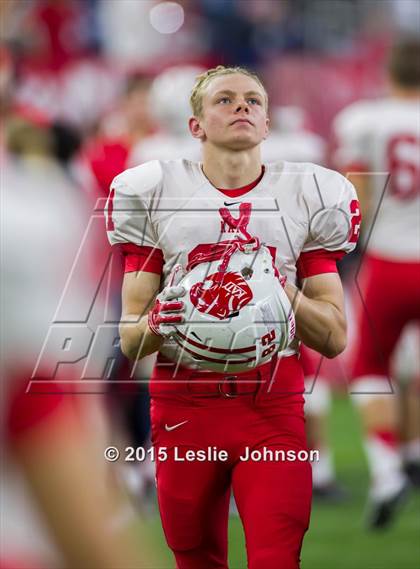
[221,294]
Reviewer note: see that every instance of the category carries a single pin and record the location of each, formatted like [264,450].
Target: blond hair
[203,80]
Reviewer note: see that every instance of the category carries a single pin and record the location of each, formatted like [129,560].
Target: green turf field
[337,538]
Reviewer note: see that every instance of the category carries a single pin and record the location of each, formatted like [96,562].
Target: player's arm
[139,291]
[333,232]
[320,314]
[147,317]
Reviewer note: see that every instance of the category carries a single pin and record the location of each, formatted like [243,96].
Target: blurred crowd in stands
[69,60]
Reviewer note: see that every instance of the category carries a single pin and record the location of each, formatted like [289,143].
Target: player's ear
[267,128]
[195,128]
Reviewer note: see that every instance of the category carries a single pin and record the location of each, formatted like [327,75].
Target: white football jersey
[295,208]
[383,137]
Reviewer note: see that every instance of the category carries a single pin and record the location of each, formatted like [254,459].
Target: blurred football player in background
[109,151]
[59,506]
[406,370]
[291,138]
[168,101]
[379,147]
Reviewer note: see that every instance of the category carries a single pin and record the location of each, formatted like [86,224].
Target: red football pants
[273,496]
[390,299]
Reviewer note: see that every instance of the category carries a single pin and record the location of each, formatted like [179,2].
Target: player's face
[234,113]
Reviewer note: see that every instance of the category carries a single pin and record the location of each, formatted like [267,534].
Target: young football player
[165,213]
[379,144]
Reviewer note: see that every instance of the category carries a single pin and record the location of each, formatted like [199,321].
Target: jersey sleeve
[333,223]
[130,229]
[351,138]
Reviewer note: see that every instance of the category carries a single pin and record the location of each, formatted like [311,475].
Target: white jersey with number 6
[382,137]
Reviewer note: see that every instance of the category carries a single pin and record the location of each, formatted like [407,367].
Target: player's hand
[168,310]
[283,280]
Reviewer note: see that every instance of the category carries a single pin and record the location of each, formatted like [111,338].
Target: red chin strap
[225,249]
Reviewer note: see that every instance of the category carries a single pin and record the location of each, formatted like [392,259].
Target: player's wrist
[152,326]
[165,315]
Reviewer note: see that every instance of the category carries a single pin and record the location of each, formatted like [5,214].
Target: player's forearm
[319,324]
[137,340]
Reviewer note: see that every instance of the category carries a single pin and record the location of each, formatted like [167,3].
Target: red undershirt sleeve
[141,258]
[317,262]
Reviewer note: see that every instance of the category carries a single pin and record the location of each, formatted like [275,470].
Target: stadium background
[64,67]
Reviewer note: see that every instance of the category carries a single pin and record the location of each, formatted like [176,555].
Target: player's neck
[231,170]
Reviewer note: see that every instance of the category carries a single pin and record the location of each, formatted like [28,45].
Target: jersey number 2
[356,219]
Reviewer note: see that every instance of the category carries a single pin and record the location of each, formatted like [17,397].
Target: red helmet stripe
[215,350]
[213,359]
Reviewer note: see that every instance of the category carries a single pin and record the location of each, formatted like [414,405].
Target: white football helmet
[237,314]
